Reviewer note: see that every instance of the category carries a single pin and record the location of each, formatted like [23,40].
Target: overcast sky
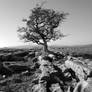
[78,23]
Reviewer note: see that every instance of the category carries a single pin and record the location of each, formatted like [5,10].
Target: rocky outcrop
[50,75]
[84,86]
[81,69]
[58,77]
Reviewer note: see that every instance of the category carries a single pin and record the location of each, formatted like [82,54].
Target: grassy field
[73,50]
[86,49]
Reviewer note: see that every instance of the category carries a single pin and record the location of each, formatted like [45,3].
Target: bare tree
[41,26]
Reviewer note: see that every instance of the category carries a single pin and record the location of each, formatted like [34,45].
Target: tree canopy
[41,26]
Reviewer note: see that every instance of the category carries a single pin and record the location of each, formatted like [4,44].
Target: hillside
[85,49]
[24,69]
[75,48]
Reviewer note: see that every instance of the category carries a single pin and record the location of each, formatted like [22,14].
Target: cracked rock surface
[50,75]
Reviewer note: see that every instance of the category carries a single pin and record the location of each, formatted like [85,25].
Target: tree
[41,26]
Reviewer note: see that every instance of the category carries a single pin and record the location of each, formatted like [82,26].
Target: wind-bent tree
[41,26]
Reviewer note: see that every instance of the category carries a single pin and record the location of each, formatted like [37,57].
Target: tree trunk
[45,48]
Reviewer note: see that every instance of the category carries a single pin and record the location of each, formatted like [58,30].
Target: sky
[78,24]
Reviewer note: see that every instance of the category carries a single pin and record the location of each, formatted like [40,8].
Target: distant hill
[21,47]
[31,46]
[76,48]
